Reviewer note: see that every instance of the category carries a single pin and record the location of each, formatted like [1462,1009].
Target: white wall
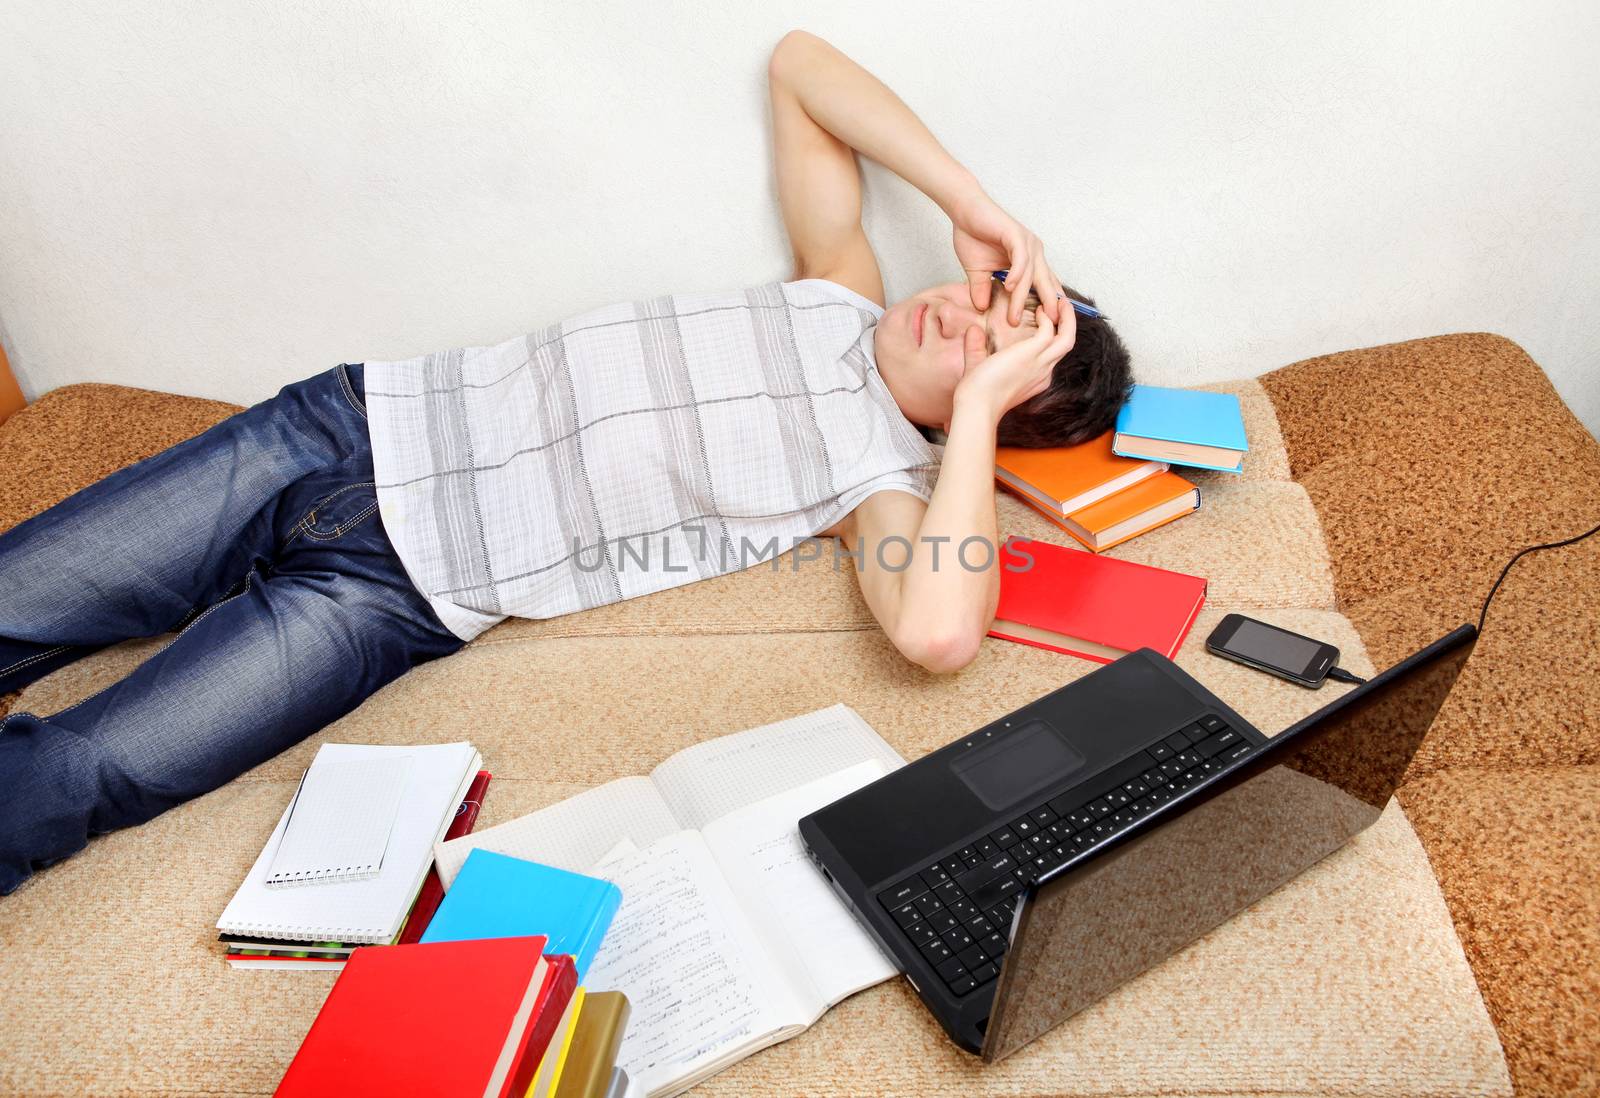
[221,197]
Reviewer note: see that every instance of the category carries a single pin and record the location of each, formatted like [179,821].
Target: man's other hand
[1020,371]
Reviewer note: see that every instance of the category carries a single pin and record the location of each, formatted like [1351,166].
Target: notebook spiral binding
[314,877]
[295,933]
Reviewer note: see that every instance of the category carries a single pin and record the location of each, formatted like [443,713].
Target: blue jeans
[259,542]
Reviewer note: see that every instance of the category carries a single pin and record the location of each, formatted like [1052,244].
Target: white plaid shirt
[635,447]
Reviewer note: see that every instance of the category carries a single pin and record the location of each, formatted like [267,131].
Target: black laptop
[1024,871]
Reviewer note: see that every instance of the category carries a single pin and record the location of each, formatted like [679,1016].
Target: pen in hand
[1077,306]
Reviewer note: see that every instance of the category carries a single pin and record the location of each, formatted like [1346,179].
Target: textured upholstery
[1368,926]
[1431,462]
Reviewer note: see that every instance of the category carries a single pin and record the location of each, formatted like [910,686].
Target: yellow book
[549,1073]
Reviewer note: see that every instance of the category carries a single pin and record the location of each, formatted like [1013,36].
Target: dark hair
[1087,389]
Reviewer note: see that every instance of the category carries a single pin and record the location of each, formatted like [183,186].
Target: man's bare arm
[938,606]
[935,608]
[825,108]
[935,599]
[858,109]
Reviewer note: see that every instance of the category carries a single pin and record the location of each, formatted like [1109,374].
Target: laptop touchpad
[1028,759]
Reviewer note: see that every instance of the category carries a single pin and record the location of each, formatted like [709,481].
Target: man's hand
[998,383]
[987,239]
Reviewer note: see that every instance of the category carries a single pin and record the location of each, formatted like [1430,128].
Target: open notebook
[431,782]
[728,939]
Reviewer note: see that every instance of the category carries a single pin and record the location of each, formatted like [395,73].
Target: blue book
[495,896]
[1183,427]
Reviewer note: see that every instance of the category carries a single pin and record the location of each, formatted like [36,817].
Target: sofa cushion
[1430,463]
[1516,853]
[1319,985]
[598,708]
[73,436]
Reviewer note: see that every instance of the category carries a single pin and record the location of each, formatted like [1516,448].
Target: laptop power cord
[1339,674]
[1484,613]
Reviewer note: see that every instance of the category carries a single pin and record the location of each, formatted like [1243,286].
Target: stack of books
[701,920]
[480,1005]
[1120,485]
[473,1017]
[1104,492]
[495,896]
[348,861]
[1099,498]
[244,951]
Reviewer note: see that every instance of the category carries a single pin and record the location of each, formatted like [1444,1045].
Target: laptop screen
[1218,849]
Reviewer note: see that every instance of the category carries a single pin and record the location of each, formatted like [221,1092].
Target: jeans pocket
[339,511]
[351,379]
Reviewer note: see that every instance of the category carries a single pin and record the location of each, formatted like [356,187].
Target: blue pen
[1077,306]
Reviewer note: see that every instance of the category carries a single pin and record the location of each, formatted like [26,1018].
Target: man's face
[918,344]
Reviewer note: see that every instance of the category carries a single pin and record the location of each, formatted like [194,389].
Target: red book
[432,894]
[447,1018]
[1100,608]
[561,981]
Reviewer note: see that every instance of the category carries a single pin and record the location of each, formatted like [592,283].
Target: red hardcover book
[561,981]
[1083,604]
[446,1018]
[432,894]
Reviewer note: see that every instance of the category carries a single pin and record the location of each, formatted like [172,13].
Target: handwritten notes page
[704,992]
[821,948]
[719,954]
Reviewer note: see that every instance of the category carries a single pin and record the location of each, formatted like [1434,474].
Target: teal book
[1182,427]
[495,896]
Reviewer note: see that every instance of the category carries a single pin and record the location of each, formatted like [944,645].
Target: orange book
[1064,479]
[1131,512]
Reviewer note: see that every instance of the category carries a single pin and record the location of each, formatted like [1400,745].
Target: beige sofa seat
[1350,980]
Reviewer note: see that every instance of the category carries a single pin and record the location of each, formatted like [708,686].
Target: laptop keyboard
[957,911]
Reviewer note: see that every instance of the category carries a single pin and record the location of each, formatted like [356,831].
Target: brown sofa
[1427,465]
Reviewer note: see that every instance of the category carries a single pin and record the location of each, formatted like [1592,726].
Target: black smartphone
[1276,651]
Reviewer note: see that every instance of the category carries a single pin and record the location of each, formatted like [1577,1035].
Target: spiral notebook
[340,819]
[431,783]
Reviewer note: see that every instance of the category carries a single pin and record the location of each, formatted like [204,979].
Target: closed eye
[1028,321]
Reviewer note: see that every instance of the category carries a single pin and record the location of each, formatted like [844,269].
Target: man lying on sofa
[315,546]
